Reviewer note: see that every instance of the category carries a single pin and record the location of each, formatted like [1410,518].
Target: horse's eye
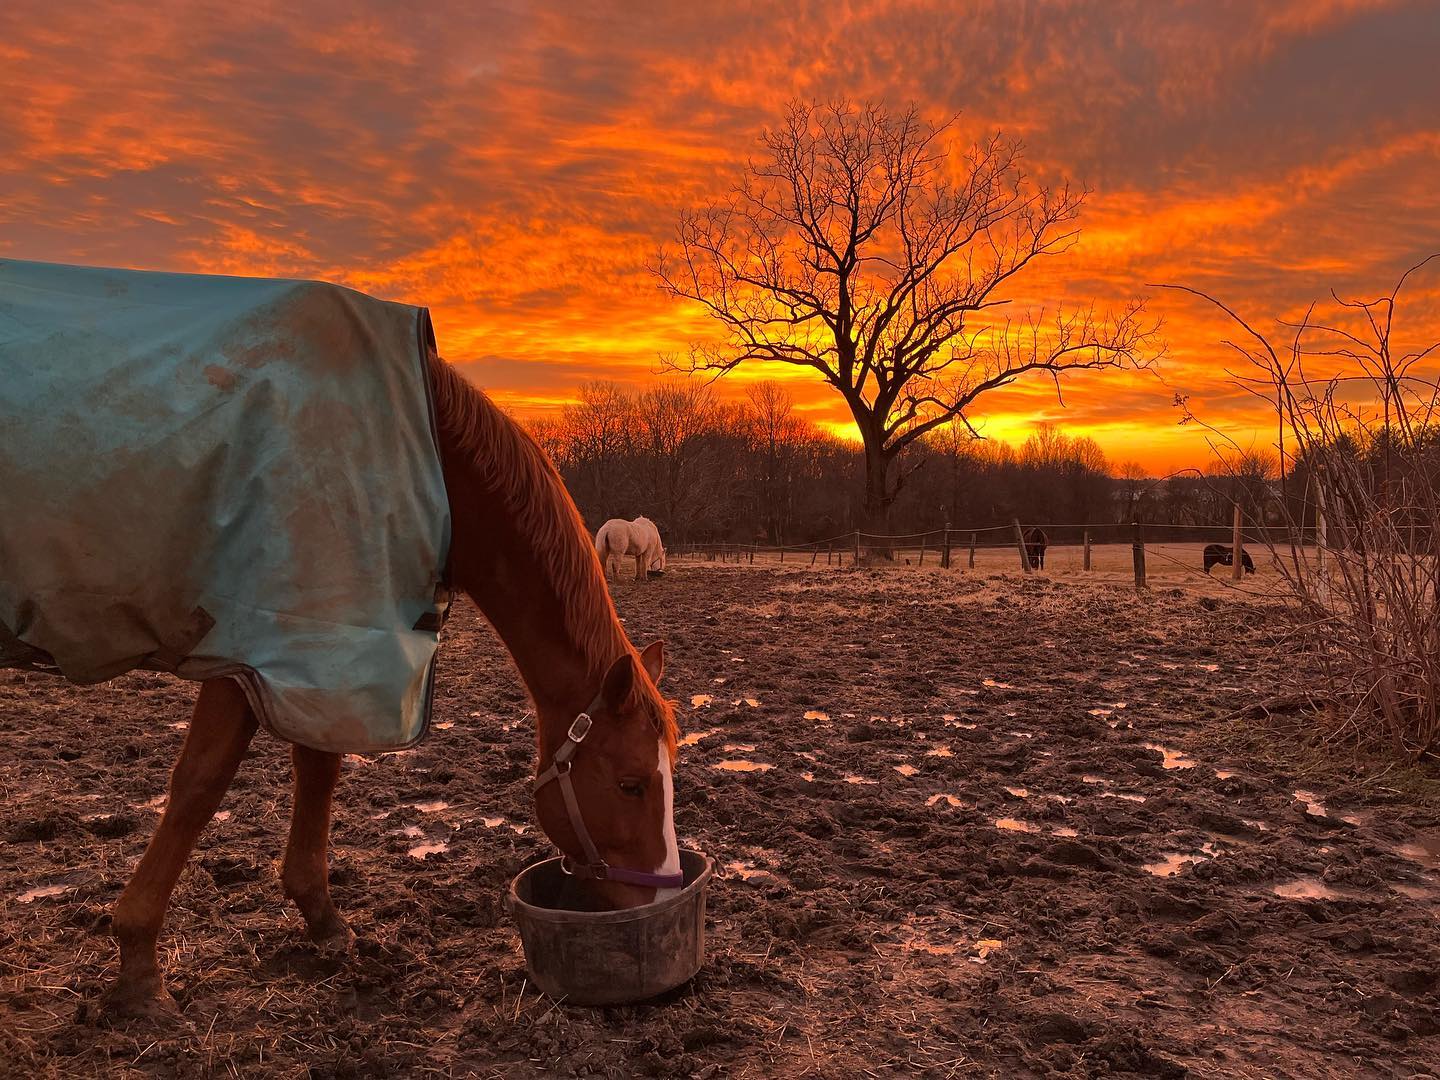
[632,787]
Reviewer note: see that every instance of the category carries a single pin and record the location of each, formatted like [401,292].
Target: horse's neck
[560,648]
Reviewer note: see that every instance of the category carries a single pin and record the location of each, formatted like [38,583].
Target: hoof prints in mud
[941,853]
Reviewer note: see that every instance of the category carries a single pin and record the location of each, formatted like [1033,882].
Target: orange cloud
[513,166]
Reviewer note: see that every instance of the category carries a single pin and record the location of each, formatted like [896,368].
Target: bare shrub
[1359,509]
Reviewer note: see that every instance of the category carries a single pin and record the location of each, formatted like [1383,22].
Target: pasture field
[1167,564]
[969,824]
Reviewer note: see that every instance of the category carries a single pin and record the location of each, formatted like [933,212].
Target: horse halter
[597,868]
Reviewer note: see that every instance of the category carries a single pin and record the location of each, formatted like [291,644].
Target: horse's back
[259,458]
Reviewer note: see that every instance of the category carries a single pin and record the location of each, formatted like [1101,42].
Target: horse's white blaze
[671,865]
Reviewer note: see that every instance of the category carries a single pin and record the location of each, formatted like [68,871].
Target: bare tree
[670,423]
[861,247]
[1356,418]
[598,427]
[777,431]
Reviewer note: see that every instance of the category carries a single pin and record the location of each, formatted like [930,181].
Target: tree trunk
[879,498]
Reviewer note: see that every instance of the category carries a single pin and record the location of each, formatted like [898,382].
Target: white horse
[618,538]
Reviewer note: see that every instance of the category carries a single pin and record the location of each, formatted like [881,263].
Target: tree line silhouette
[755,471]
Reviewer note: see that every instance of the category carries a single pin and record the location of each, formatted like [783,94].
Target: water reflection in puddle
[1091,778]
[432,806]
[1424,849]
[40,892]
[1019,792]
[949,800]
[1173,759]
[1414,892]
[745,766]
[906,770]
[933,948]
[1171,863]
[1312,802]
[951,721]
[983,949]
[1010,824]
[859,780]
[1223,774]
[419,851]
[738,747]
[695,736]
[808,777]
[816,714]
[1306,888]
[939,751]
[996,685]
[746,871]
[1127,796]
[1064,830]
[699,700]
[1255,824]
[1101,712]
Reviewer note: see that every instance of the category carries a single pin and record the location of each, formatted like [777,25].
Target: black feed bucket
[610,957]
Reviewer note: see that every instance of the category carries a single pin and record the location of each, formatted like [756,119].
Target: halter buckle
[580,728]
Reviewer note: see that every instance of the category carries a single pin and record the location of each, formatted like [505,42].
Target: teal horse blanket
[219,476]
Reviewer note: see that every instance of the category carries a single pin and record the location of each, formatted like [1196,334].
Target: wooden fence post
[1237,564]
[945,556]
[972,551]
[1087,549]
[857,548]
[1137,534]
[923,537]
[1020,543]
[814,554]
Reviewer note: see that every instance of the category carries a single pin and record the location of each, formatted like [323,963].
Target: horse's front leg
[306,871]
[220,731]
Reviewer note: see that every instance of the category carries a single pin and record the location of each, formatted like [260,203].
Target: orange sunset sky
[513,165]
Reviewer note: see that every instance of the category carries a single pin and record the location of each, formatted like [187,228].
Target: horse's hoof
[151,1004]
[333,940]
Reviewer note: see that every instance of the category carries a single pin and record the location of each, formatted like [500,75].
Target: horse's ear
[619,683]
[653,659]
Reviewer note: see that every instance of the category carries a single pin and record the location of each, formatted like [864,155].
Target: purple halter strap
[596,867]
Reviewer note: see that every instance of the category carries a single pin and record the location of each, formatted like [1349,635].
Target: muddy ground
[970,826]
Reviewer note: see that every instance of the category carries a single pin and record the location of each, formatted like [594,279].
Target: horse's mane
[507,461]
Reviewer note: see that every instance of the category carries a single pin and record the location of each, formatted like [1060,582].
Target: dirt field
[970,826]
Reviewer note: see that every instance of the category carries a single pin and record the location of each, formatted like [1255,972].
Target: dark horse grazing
[1035,544]
[1221,554]
[520,550]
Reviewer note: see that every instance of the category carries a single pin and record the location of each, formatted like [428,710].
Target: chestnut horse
[522,553]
